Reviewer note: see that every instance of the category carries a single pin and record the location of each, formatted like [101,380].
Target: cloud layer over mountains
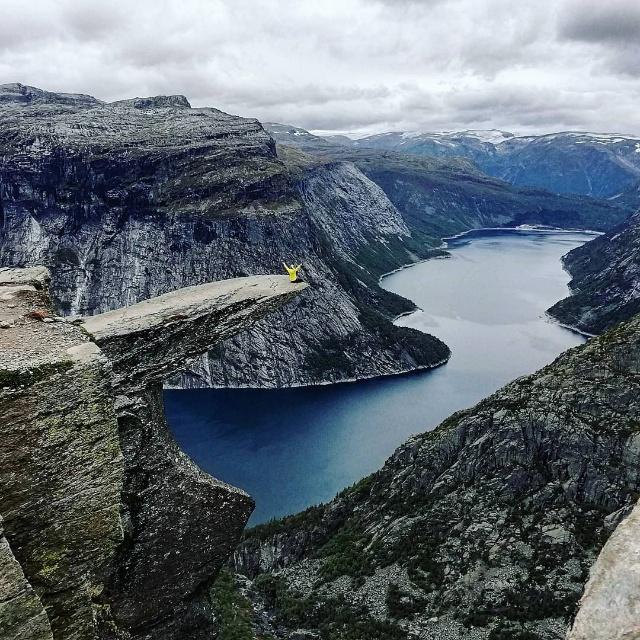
[353,65]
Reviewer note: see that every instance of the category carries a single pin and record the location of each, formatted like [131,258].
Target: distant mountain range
[601,165]
[439,196]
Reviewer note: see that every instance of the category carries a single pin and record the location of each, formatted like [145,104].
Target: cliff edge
[109,530]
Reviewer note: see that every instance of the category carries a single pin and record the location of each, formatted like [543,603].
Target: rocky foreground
[107,530]
[486,527]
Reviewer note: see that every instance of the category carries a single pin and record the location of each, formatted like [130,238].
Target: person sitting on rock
[293,272]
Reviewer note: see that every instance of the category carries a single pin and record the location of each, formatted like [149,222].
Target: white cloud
[359,65]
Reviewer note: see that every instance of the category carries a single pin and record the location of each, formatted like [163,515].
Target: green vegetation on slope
[333,618]
[231,608]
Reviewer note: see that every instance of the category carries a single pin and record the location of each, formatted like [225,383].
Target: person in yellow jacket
[293,272]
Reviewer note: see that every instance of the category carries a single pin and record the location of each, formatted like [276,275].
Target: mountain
[629,198]
[485,527]
[598,165]
[442,196]
[571,162]
[605,285]
[129,200]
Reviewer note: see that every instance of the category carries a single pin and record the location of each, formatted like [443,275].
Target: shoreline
[411,264]
[569,327]
[326,383]
[444,244]
[522,227]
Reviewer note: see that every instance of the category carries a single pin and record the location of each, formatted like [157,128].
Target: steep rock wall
[610,605]
[110,531]
[605,284]
[22,616]
[60,461]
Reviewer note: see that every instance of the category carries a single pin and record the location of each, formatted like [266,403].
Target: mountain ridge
[570,162]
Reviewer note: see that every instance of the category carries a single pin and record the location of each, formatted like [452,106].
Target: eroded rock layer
[110,531]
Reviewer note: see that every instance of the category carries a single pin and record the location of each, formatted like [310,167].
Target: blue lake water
[290,448]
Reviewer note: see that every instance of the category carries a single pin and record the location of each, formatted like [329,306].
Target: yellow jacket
[292,271]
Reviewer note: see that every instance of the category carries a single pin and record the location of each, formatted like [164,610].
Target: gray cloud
[613,27]
[357,65]
[615,21]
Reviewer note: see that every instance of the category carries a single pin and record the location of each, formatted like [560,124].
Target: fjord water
[291,448]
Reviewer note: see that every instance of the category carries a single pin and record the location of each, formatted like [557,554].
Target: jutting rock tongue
[108,527]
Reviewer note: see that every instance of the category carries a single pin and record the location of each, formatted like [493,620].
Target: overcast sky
[344,65]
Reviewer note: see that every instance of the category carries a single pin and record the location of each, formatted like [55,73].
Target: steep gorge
[485,527]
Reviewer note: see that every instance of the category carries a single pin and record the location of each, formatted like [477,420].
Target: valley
[292,448]
[485,526]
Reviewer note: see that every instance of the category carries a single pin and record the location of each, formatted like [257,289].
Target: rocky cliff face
[132,199]
[109,530]
[483,528]
[605,283]
[22,615]
[610,607]
[339,331]
[61,464]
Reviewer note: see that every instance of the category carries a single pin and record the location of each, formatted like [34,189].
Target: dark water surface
[291,448]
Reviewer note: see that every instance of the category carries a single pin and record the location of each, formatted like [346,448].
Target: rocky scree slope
[129,200]
[600,165]
[605,285]
[485,527]
[440,196]
[109,530]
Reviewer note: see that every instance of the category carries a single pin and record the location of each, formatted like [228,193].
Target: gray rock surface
[610,606]
[106,522]
[22,616]
[61,465]
[153,338]
[485,527]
